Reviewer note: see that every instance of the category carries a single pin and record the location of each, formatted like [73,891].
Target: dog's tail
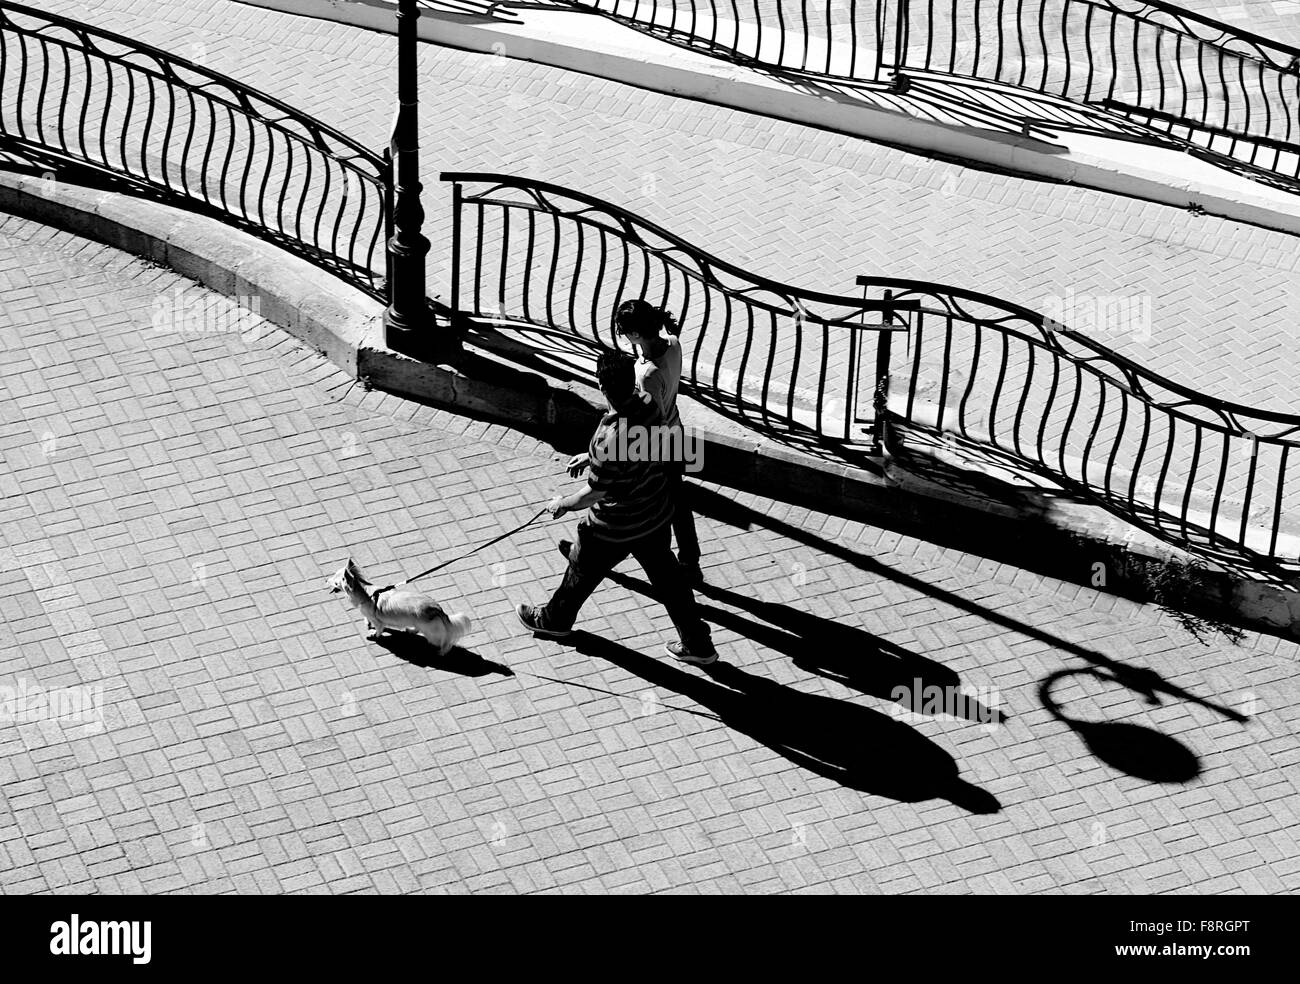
[461,626]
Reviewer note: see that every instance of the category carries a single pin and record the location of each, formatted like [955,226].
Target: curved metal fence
[1221,89]
[537,257]
[1216,91]
[998,388]
[936,372]
[95,99]
[836,39]
[992,386]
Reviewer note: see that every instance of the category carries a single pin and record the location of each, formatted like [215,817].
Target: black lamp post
[408,322]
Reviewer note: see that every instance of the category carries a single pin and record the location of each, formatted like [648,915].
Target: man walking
[629,496]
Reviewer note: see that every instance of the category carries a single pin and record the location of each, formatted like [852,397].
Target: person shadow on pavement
[844,653]
[855,746]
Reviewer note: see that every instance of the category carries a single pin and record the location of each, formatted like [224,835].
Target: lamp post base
[420,337]
[404,334]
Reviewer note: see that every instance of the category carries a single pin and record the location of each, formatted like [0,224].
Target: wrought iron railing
[984,385]
[998,387]
[85,97]
[1001,389]
[1219,92]
[1226,90]
[837,39]
[537,257]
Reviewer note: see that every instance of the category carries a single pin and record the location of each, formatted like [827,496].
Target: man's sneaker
[565,546]
[530,616]
[699,658]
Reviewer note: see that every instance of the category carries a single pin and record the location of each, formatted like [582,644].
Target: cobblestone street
[172,502]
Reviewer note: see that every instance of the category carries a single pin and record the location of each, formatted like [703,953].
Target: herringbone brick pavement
[783,200]
[177,479]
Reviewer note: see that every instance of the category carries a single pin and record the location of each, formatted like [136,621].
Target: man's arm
[574,502]
[602,477]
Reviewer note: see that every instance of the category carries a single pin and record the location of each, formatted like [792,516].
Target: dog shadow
[418,651]
[854,746]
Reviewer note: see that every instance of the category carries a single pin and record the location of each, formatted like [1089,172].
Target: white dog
[388,609]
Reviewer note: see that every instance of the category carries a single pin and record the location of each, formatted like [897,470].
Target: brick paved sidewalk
[786,201]
[172,502]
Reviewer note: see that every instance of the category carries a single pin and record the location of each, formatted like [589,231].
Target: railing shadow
[474,11]
[1218,93]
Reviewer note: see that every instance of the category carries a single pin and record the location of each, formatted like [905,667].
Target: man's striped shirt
[638,493]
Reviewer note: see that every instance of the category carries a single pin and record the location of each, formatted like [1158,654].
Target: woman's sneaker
[530,616]
[699,657]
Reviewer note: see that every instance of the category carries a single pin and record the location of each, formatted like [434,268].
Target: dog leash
[482,546]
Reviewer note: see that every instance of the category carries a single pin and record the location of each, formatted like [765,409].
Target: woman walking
[653,332]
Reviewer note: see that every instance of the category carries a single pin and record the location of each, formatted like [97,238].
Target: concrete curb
[589,43]
[1069,542]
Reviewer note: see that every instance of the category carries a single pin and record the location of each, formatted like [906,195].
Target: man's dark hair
[616,377]
[644,318]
